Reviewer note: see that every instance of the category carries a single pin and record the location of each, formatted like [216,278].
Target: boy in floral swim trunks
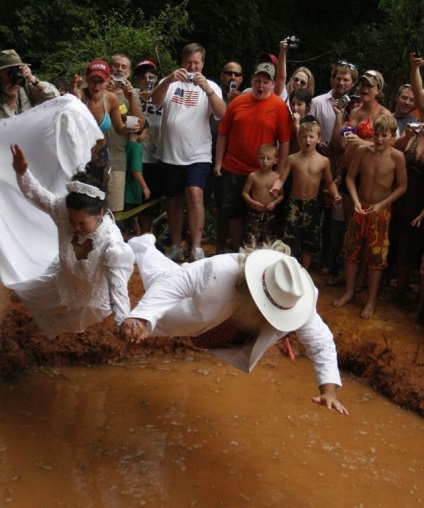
[383,180]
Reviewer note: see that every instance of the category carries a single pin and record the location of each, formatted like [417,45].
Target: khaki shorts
[116,191]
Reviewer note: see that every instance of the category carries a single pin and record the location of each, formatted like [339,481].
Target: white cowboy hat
[281,288]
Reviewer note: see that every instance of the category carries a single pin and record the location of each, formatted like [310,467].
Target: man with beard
[343,77]
[237,304]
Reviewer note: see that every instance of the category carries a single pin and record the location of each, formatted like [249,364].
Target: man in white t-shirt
[185,146]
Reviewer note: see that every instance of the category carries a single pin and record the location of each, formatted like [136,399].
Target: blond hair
[310,127]
[311,80]
[385,123]
[268,148]
[247,249]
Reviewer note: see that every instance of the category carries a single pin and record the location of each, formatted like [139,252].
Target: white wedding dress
[37,259]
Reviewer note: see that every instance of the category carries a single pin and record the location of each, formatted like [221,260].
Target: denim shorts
[175,178]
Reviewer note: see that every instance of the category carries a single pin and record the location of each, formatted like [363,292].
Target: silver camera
[416,127]
[119,80]
[343,101]
[233,86]
[190,77]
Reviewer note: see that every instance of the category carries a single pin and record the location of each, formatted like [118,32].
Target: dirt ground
[387,351]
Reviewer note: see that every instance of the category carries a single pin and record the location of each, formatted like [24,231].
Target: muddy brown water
[177,432]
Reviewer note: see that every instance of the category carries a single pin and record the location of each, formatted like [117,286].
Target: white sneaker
[196,254]
[175,253]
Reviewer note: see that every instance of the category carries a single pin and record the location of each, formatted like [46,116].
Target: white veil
[56,137]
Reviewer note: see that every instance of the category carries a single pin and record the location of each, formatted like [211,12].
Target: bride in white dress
[88,279]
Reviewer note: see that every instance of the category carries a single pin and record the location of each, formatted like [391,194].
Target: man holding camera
[20,90]
[343,77]
[185,146]
[120,85]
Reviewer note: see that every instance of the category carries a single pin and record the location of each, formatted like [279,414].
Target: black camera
[16,77]
[149,84]
[292,41]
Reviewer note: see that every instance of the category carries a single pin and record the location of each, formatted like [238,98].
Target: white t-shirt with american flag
[185,134]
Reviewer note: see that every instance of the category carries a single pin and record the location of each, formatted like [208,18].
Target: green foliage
[60,36]
[63,49]
[125,30]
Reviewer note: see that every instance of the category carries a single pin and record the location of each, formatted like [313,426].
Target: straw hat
[9,58]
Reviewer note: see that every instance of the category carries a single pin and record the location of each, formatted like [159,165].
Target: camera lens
[16,76]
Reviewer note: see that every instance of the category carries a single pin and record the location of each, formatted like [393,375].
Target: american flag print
[185,97]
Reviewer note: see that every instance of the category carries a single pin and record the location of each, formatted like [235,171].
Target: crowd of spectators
[196,142]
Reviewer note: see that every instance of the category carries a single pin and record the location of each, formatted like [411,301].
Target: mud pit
[168,425]
[386,351]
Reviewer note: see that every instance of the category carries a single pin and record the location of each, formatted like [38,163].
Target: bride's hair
[89,197]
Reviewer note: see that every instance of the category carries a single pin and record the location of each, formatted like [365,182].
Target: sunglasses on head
[232,73]
[302,82]
[343,63]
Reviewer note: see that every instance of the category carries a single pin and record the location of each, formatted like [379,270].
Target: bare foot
[367,311]
[345,298]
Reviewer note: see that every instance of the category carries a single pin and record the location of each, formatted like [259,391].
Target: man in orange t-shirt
[251,120]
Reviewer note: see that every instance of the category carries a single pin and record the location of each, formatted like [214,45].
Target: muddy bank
[386,351]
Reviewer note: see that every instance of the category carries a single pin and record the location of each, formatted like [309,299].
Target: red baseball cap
[269,57]
[150,64]
[98,68]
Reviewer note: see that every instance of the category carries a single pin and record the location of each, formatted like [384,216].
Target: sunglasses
[343,63]
[232,73]
[302,82]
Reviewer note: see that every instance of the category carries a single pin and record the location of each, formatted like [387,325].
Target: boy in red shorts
[382,180]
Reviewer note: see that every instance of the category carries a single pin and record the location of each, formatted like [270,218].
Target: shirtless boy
[383,180]
[303,210]
[260,219]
